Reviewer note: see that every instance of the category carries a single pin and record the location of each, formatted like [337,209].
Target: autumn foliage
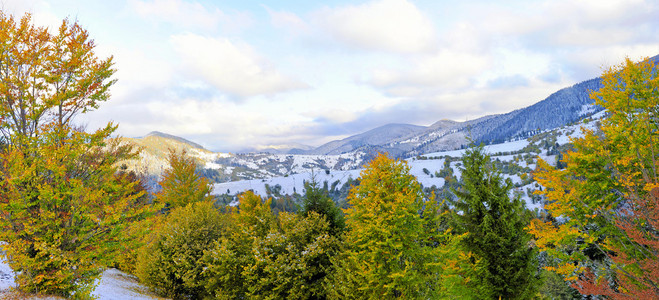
[62,206]
[607,242]
[394,245]
[181,184]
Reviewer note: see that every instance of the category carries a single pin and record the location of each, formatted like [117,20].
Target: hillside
[223,167]
[155,150]
[515,159]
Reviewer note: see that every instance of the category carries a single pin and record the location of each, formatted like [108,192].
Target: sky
[238,75]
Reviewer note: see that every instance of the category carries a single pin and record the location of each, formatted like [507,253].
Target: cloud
[232,68]
[445,70]
[190,15]
[381,25]
[459,106]
[289,21]
[508,81]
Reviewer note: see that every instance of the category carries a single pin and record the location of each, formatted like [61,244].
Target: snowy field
[295,183]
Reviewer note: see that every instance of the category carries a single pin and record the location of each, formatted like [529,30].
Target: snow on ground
[289,184]
[6,276]
[432,164]
[113,285]
[295,183]
[490,149]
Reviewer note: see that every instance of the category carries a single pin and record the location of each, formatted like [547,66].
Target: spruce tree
[495,224]
[317,200]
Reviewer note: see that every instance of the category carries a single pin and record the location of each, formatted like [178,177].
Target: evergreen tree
[494,224]
[171,263]
[228,262]
[317,200]
[391,248]
[268,256]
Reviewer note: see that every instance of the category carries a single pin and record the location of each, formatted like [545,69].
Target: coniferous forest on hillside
[70,208]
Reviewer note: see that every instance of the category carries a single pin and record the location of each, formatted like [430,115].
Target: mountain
[516,161]
[378,136]
[173,137]
[399,140]
[155,151]
[563,107]
[292,148]
[222,167]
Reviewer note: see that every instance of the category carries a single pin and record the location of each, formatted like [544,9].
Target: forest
[69,210]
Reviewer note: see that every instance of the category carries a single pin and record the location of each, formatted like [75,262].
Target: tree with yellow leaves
[62,207]
[394,245]
[607,242]
[181,184]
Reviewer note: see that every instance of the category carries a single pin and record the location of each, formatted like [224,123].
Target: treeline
[392,241]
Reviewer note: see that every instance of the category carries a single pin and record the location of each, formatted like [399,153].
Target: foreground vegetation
[68,210]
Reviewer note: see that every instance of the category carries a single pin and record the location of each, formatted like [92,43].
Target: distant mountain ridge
[378,136]
[404,140]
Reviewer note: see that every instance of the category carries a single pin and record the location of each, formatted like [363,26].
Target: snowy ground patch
[113,285]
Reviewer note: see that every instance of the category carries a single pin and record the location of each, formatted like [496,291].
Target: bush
[170,263]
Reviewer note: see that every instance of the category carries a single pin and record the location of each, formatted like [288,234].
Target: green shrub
[170,263]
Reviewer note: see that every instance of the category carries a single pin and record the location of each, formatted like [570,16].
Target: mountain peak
[173,137]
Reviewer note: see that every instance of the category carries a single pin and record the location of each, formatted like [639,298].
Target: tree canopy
[607,242]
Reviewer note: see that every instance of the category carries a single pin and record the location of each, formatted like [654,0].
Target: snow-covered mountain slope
[382,135]
[515,159]
[562,107]
[222,167]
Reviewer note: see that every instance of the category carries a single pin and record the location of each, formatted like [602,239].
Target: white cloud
[220,125]
[233,68]
[573,23]
[289,21]
[40,10]
[388,25]
[445,70]
[136,71]
[190,15]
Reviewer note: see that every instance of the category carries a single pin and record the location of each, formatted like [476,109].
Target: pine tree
[494,226]
[317,200]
